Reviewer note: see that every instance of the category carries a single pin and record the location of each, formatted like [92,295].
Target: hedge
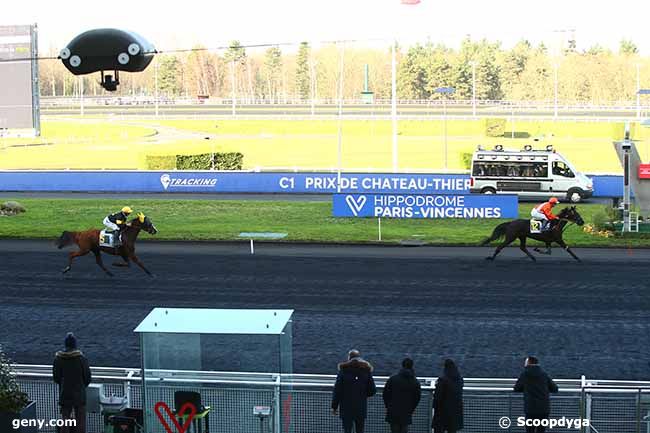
[495,127]
[202,161]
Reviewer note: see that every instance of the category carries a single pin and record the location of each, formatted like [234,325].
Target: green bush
[160,162]
[495,127]
[12,399]
[604,220]
[466,160]
[222,161]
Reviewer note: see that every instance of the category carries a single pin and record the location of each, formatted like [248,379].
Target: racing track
[591,318]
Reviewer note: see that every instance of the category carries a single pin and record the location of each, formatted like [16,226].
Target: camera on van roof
[528,148]
[498,148]
[549,148]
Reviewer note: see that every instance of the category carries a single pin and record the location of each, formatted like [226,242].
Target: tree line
[521,73]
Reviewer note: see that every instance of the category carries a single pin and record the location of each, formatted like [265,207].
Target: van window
[561,169]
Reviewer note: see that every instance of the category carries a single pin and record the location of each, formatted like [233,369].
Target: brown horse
[88,241]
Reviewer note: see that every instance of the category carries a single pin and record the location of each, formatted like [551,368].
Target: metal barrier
[301,403]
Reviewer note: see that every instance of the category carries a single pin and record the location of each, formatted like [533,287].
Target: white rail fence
[301,402]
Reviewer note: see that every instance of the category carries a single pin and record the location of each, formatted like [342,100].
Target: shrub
[12,399]
[495,127]
[222,161]
[160,162]
[466,160]
[604,220]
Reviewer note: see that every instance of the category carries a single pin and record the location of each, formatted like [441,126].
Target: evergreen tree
[303,80]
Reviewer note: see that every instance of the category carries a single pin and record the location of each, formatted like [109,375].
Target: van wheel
[488,190]
[575,195]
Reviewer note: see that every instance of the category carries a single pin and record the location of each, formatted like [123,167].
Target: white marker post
[379,228]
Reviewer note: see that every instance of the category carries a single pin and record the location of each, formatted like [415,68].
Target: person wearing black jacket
[354,384]
[536,386]
[448,400]
[401,396]
[72,373]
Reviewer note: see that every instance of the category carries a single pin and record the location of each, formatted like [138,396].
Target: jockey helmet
[127,210]
[553,200]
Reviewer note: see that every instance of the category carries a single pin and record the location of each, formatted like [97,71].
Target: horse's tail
[66,238]
[498,232]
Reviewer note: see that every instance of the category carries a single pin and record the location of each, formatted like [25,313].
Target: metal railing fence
[301,403]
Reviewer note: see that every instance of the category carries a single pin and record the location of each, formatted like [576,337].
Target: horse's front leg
[568,250]
[71,256]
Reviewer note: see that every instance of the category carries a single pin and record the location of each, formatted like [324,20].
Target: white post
[340,144]
[155,79]
[252,247]
[232,81]
[81,94]
[556,89]
[313,87]
[393,111]
[473,88]
[379,227]
[638,88]
[444,115]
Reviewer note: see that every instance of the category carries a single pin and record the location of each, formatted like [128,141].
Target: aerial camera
[103,50]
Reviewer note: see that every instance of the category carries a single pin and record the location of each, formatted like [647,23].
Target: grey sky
[183,24]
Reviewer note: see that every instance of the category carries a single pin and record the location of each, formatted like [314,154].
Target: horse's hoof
[66,269]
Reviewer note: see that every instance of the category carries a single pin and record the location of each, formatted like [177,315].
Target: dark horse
[520,229]
[88,241]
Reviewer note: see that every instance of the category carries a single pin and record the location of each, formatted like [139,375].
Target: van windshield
[562,169]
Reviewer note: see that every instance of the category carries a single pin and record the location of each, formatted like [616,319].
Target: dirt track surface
[589,318]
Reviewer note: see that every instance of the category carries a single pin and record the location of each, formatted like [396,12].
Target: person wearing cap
[72,373]
[118,220]
[544,212]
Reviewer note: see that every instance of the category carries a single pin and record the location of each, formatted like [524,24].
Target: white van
[528,173]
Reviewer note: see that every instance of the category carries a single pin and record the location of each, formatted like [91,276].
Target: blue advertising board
[247,182]
[205,181]
[425,206]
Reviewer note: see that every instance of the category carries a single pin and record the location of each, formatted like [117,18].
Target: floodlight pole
[340,143]
[393,104]
[81,94]
[638,93]
[556,88]
[473,63]
[155,76]
[232,81]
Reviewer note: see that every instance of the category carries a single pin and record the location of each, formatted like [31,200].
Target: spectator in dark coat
[72,373]
[354,384]
[401,396]
[536,386]
[448,400]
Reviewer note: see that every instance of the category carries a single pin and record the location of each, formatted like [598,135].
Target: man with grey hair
[354,384]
